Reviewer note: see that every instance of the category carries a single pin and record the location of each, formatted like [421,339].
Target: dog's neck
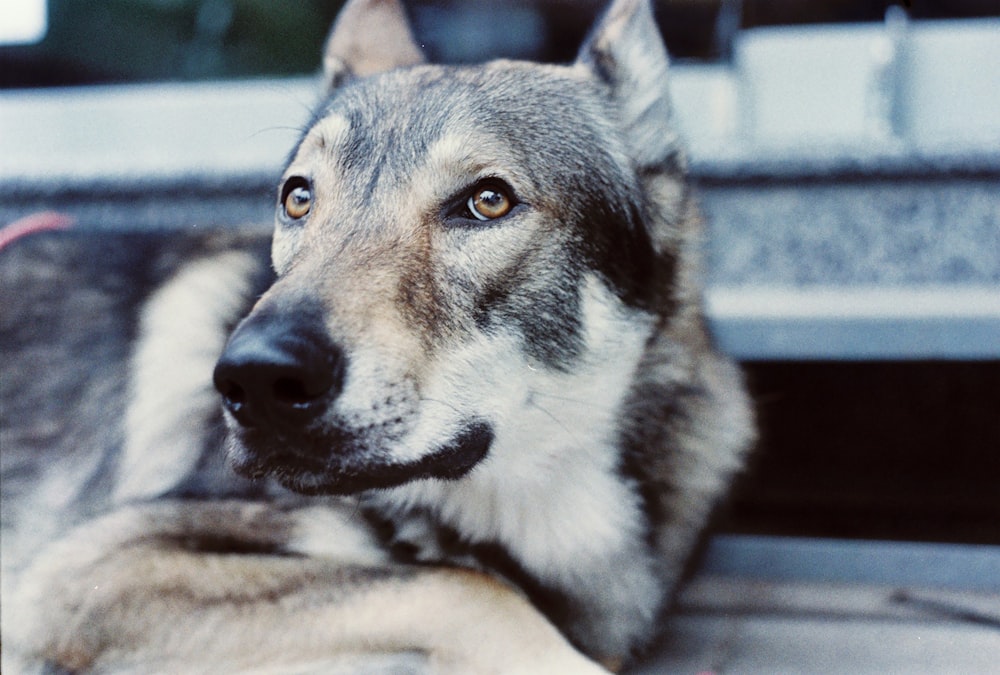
[551,494]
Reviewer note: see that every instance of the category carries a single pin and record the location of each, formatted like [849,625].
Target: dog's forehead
[454,93]
[403,119]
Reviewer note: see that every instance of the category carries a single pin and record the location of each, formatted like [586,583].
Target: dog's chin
[339,467]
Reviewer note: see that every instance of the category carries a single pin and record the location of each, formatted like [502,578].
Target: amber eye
[489,202]
[297,198]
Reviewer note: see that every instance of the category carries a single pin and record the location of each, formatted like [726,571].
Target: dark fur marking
[670,404]
[423,303]
[620,248]
[548,321]
[602,63]
[672,164]
[51,668]
[365,154]
[228,545]
[557,606]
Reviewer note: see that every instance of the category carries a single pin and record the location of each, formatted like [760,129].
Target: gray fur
[537,397]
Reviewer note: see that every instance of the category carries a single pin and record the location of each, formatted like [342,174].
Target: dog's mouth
[339,467]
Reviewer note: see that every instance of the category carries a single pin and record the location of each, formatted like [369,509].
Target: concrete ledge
[786,605]
[801,560]
[866,323]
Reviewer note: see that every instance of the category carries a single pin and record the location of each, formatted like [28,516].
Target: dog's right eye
[488,200]
[296,197]
[489,203]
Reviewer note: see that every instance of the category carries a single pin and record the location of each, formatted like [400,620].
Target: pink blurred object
[37,222]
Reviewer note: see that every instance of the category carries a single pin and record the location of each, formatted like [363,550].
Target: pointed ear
[626,52]
[368,37]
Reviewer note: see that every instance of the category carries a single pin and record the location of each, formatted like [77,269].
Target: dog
[471,417]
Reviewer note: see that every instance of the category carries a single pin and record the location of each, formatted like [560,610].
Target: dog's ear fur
[368,37]
[626,52]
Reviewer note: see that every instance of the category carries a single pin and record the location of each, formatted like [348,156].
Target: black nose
[279,369]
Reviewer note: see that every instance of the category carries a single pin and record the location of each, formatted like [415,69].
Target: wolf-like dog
[471,417]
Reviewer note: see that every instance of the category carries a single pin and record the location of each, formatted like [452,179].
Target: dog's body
[485,328]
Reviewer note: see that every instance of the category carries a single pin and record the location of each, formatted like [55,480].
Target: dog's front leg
[226,587]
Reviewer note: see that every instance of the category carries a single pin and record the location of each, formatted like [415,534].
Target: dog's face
[450,242]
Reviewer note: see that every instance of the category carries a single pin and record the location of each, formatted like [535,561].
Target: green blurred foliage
[142,40]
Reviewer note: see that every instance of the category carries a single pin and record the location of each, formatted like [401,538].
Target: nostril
[235,400]
[294,392]
[233,395]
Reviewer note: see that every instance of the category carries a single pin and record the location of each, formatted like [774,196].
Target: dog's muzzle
[279,376]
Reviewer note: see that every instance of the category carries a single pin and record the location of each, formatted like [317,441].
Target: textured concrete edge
[863,323]
[915,564]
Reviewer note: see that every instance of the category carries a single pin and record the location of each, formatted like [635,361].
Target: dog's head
[452,242]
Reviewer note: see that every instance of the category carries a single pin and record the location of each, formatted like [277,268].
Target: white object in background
[23,21]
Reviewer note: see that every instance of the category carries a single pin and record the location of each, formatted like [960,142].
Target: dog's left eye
[489,202]
[296,198]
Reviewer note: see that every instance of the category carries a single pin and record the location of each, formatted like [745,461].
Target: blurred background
[152,40]
[847,153]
